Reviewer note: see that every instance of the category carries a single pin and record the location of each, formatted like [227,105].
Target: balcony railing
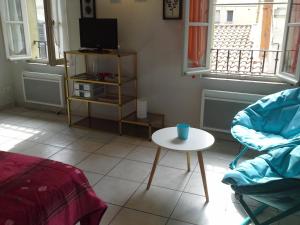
[43,51]
[245,62]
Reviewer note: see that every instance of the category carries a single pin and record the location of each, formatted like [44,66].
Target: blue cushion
[282,163]
[271,122]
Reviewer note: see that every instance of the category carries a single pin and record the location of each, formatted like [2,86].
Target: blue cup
[183,131]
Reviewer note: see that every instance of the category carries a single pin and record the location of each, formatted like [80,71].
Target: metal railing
[43,51]
[245,62]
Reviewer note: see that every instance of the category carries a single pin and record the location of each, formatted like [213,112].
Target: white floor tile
[110,213]
[60,140]
[115,191]
[18,132]
[235,214]
[156,200]
[172,178]
[176,222]
[33,123]
[192,209]
[52,116]
[42,136]
[22,146]
[43,151]
[213,162]
[75,132]
[131,170]
[13,120]
[69,157]
[178,160]
[98,163]
[145,154]
[117,149]
[132,217]
[86,145]
[104,137]
[216,189]
[128,140]
[93,177]
[55,126]
[148,144]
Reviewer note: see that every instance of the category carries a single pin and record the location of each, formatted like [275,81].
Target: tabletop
[198,140]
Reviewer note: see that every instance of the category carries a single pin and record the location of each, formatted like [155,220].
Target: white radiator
[219,107]
[43,88]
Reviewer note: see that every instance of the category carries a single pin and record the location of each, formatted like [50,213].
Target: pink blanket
[35,191]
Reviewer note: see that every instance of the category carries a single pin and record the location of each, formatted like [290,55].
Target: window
[35,30]
[254,47]
[197,29]
[290,64]
[15,28]
[229,16]
[218,16]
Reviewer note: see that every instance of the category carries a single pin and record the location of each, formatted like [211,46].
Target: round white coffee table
[198,141]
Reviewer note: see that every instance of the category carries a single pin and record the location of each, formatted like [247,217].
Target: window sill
[241,78]
[42,63]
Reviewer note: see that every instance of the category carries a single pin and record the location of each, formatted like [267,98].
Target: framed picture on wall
[172,9]
[88,8]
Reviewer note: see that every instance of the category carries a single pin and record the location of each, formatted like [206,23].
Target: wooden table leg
[202,169]
[154,167]
[188,158]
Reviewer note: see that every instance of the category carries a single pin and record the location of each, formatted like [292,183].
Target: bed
[35,191]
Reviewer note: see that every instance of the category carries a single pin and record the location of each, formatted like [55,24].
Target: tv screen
[99,33]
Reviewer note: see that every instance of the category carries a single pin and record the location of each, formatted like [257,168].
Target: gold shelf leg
[69,112]
[150,133]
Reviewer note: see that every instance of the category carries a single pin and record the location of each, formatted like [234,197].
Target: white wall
[6,77]
[159,46]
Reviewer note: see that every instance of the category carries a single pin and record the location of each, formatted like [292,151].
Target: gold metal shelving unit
[117,100]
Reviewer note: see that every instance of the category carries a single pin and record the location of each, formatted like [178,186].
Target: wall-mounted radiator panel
[43,88]
[219,107]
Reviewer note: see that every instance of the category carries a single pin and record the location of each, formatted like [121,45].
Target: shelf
[109,99]
[109,53]
[153,120]
[112,126]
[87,78]
[130,124]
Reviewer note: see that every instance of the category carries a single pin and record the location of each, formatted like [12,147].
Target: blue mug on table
[183,131]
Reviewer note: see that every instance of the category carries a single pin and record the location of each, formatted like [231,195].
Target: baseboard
[7,106]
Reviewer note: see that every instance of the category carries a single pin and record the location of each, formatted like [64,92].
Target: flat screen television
[98,33]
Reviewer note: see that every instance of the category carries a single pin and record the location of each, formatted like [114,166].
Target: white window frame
[209,25]
[288,77]
[227,14]
[5,27]
[50,19]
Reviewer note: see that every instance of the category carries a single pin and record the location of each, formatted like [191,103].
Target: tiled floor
[118,168]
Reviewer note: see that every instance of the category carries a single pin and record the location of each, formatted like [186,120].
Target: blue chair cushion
[271,122]
[274,166]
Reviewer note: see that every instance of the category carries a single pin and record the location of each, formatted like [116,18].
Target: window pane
[14,10]
[58,31]
[229,15]
[199,10]
[292,50]
[217,16]
[295,12]
[38,30]
[197,46]
[17,44]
